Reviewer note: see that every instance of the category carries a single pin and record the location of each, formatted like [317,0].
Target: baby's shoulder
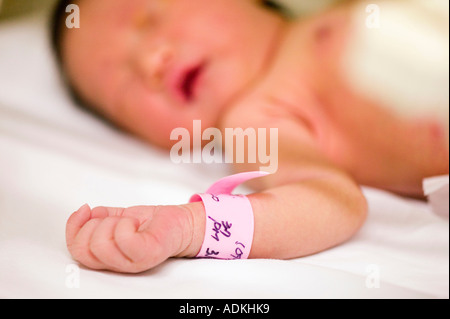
[250,111]
[273,105]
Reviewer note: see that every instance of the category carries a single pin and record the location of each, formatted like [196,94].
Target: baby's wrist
[194,232]
[220,204]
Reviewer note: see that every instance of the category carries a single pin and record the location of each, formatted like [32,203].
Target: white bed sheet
[54,158]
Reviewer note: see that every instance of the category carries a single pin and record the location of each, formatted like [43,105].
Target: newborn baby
[150,66]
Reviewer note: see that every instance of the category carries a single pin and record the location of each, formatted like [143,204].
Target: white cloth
[437,191]
[54,158]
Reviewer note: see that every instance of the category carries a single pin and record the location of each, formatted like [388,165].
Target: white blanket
[54,158]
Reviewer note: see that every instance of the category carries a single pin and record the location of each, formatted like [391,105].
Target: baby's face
[153,65]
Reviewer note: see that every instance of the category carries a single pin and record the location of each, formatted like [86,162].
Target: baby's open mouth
[189,81]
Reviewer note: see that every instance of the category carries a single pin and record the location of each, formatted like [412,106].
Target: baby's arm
[309,204]
[290,221]
[306,207]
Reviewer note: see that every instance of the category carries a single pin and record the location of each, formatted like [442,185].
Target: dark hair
[56,26]
[272,5]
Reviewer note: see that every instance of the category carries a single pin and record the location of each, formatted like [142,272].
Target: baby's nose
[154,66]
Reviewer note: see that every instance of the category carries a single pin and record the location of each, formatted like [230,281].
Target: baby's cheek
[140,114]
[158,127]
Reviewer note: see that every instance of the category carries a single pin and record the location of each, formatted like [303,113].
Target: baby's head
[150,66]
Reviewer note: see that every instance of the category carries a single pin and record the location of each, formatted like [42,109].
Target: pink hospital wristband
[229,219]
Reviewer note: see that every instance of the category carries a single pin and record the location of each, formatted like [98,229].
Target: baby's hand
[132,239]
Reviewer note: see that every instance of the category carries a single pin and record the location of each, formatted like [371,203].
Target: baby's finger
[143,248]
[79,248]
[103,212]
[103,245]
[141,213]
[76,222]
[130,241]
